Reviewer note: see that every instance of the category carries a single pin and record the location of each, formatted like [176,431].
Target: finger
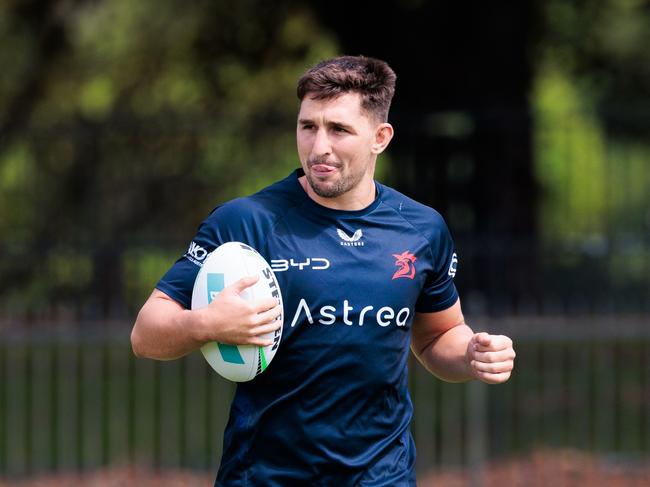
[493,368]
[269,316]
[265,304]
[482,339]
[495,343]
[259,341]
[491,357]
[245,282]
[261,330]
[493,378]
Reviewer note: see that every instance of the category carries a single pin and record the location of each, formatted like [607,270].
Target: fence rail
[77,401]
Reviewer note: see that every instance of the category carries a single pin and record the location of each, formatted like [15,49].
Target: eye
[339,129]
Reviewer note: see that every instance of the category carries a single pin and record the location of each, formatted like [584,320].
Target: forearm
[165,331]
[446,356]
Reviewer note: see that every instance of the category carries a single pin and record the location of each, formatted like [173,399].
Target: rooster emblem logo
[406,263]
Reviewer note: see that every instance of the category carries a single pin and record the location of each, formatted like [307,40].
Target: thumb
[245,282]
[483,339]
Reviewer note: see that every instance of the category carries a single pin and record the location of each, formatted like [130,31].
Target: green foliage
[591,145]
[145,116]
[17,211]
[571,163]
[595,179]
[143,266]
[122,124]
[603,42]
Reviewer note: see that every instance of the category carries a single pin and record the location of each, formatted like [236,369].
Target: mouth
[323,169]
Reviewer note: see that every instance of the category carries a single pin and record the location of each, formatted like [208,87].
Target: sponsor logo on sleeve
[196,254]
[453,266]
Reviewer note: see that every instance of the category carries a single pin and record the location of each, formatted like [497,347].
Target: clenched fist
[491,357]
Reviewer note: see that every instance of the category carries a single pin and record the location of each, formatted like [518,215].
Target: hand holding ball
[234,263]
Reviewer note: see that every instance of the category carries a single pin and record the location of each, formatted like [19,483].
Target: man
[365,273]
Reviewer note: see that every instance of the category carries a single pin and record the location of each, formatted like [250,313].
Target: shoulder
[423,218]
[269,203]
[280,196]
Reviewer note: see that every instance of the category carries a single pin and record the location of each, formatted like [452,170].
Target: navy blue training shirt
[333,408]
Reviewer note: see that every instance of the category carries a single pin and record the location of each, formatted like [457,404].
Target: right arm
[165,330]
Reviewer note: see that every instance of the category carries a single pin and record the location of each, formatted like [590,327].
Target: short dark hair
[371,78]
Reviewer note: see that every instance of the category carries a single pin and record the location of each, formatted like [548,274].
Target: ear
[383,135]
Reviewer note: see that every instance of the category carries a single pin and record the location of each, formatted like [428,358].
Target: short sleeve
[178,281]
[439,291]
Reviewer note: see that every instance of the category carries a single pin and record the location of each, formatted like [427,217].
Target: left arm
[451,351]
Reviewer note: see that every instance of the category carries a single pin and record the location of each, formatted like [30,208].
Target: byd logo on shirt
[313,263]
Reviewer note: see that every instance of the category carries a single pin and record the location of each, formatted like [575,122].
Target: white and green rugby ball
[225,265]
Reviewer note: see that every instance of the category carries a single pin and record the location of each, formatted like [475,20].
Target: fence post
[477,431]
[3,409]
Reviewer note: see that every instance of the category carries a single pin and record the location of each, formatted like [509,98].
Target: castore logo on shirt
[353,241]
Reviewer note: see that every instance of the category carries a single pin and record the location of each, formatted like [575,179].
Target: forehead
[344,107]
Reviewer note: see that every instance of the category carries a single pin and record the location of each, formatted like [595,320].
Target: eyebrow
[303,121]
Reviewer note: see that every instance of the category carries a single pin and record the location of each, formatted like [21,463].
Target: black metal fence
[79,400]
[574,295]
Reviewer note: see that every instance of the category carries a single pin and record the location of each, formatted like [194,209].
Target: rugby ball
[225,265]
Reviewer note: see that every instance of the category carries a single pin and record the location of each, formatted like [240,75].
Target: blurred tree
[602,47]
[591,102]
[123,123]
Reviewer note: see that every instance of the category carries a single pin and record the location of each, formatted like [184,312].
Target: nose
[322,145]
